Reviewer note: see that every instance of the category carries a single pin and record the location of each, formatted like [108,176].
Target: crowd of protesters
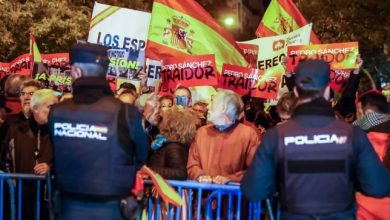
[209,141]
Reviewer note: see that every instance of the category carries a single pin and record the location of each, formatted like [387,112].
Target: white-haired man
[222,150]
[28,148]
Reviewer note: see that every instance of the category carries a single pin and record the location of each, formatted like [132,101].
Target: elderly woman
[170,149]
[28,146]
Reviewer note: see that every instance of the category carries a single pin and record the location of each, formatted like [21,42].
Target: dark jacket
[170,161]
[20,144]
[106,139]
[371,178]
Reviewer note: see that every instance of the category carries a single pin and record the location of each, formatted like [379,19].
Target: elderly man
[28,148]
[222,150]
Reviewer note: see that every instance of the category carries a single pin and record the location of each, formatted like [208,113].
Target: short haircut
[31,82]
[310,93]
[375,101]
[184,88]
[91,69]
[200,103]
[40,96]
[232,102]
[13,83]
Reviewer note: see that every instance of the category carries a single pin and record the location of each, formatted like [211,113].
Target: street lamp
[229,21]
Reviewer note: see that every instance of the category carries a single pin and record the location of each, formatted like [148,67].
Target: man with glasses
[27,89]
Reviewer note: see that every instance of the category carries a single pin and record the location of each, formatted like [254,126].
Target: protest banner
[338,55]
[4,69]
[21,65]
[259,83]
[125,63]
[153,70]
[268,83]
[56,73]
[125,31]
[238,79]
[273,49]
[338,79]
[250,52]
[189,71]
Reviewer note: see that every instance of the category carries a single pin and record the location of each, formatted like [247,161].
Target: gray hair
[92,69]
[40,96]
[232,102]
[148,98]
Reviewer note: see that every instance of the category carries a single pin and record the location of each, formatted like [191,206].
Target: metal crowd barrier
[207,201]
[201,200]
[14,181]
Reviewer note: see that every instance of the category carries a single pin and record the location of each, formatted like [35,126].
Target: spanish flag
[282,17]
[183,28]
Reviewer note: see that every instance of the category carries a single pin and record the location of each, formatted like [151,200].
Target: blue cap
[89,53]
[312,74]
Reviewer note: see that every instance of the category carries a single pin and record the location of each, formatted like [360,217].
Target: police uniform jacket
[316,163]
[99,142]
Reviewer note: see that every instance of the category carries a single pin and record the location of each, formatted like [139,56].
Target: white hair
[40,96]
[232,102]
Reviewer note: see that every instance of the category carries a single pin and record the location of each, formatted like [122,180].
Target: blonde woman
[170,148]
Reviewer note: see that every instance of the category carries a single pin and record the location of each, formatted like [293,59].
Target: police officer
[314,161]
[99,143]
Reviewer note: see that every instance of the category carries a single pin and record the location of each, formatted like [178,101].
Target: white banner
[273,49]
[125,31]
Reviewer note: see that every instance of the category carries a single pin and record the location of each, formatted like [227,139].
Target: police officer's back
[315,161]
[98,142]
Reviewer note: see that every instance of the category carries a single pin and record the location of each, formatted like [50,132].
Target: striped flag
[282,17]
[184,28]
[166,191]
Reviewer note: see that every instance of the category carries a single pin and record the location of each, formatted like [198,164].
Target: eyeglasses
[26,93]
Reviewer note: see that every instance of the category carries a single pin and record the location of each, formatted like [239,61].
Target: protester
[182,97]
[166,103]
[128,96]
[149,106]
[99,143]
[170,149]
[28,149]
[27,89]
[314,161]
[222,150]
[285,106]
[200,109]
[375,120]
[12,92]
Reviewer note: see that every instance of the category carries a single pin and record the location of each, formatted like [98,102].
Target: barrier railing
[201,200]
[14,181]
[211,201]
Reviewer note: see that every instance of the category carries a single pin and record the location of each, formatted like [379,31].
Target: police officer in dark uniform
[99,142]
[314,161]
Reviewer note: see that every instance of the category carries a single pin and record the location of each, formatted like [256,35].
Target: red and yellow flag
[282,17]
[184,28]
[165,190]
